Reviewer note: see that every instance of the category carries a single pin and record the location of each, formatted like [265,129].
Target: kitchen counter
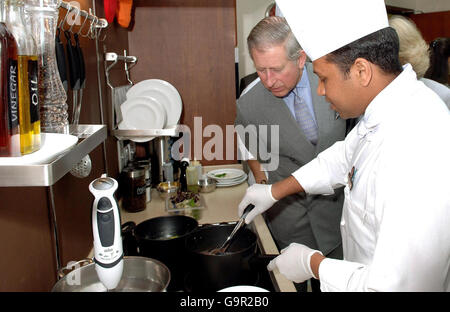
[220,206]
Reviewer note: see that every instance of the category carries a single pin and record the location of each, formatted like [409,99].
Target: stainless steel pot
[140,274]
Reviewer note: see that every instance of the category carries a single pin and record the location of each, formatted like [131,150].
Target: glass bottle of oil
[27,63]
[9,114]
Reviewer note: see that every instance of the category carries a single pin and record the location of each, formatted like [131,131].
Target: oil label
[33,85]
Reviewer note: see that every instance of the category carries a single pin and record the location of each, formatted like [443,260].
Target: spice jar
[134,197]
[148,178]
[192,179]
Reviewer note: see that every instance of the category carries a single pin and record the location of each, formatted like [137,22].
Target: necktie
[305,119]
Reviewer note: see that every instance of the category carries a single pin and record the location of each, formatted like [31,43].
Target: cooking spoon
[222,249]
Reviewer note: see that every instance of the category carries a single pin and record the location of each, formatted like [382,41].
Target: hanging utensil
[119,94]
[83,168]
[61,60]
[82,75]
[74,71]
[223,248]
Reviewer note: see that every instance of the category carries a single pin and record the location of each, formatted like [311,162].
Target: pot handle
[73,265]
[129,240]
[128,226]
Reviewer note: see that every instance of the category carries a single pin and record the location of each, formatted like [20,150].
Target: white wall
[248,14]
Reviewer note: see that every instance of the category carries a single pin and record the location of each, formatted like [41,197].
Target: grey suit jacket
[312,220]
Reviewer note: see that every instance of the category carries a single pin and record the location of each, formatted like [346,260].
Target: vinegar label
[13,95]
[33,85]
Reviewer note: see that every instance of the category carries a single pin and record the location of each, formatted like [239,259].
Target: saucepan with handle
[140,274]
[163,238]
[214,271]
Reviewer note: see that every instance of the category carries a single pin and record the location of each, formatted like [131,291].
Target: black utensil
[81,65]
[241,223]
[61,60]
[72,58]
[74,72]
[82,75]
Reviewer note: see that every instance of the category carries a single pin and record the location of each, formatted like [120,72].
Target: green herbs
[191,202]
[220,175]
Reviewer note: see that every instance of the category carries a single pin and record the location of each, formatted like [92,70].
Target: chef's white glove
[294,262]
[260,195]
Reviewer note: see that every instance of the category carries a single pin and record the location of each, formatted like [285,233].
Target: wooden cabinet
[191,45]
[433,25]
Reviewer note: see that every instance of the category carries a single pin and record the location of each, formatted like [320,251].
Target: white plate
[230,174]
[52,145]
[143,112]
[232,183]
[123,126]
[243,288]
[173,116]
[175,105]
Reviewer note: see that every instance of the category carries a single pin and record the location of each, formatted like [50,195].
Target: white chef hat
[278,11]
[323,26]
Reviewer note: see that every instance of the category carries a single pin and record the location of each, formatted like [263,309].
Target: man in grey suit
[285,96]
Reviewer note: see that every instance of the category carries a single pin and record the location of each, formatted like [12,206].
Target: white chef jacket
[395,222]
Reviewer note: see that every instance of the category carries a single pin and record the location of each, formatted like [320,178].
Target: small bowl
[207,185]
[167,189]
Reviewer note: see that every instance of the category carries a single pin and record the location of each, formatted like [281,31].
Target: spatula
[222,249]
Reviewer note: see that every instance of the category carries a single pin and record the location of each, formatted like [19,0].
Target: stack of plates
[227,177]
[151,104]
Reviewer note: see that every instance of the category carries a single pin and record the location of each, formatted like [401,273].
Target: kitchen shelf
[90,136]
[147,133]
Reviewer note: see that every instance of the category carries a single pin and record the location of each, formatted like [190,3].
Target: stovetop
[183,281]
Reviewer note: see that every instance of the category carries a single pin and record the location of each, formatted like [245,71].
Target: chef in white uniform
[395,163]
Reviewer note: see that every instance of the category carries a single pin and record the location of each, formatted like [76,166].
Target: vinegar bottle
[9,114]
[27,64]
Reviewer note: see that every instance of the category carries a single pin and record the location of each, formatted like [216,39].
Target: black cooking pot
[163,238]
[237,266]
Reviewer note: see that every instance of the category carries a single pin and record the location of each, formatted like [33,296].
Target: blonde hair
[413,48]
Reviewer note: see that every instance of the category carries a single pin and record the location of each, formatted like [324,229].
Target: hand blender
[108,252]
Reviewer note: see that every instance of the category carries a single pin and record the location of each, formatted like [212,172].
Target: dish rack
[131,134]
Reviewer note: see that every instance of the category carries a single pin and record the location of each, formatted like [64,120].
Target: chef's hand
[260,195]
[294,262]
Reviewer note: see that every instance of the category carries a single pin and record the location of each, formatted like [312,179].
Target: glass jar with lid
[133,189]
[146,164]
